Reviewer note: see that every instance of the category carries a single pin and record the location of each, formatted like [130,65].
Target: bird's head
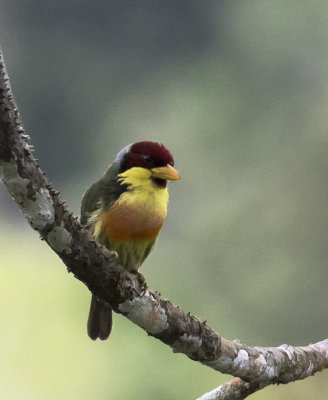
[151,156]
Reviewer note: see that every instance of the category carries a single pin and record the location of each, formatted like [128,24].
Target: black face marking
[162,183]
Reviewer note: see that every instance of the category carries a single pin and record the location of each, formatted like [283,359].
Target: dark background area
[238,92]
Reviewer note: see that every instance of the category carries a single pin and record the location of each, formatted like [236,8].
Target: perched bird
[125,211]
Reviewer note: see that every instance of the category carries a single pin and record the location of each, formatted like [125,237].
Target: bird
[125,211]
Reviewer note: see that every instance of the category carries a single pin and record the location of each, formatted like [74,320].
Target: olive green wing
[91,201]
[102,194]
[100,319]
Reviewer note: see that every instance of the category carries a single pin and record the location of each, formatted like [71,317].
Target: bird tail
[100,319]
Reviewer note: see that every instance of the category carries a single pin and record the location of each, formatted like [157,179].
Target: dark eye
[146,157]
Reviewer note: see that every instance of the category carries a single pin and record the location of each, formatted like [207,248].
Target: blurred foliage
[238,92]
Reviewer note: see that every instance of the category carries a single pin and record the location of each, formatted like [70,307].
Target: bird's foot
[114,253]
[143,283]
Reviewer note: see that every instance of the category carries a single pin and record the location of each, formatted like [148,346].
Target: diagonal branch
[98,269]
[235,389]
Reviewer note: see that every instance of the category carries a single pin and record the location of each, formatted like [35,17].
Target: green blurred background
[238,91]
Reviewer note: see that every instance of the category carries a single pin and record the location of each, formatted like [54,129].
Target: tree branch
[236,389]
[98,269]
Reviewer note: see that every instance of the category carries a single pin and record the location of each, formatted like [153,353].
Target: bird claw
[143,283]
[114,253]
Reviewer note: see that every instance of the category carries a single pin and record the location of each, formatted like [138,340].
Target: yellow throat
[143,192]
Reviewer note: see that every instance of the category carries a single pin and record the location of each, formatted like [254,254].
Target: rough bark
[98,269]
[236,389]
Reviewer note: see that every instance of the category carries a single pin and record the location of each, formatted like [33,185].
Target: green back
[101,194]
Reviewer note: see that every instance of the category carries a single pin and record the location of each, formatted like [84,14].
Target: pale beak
[168,173]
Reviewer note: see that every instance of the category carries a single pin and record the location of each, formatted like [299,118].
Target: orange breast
[123,222]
